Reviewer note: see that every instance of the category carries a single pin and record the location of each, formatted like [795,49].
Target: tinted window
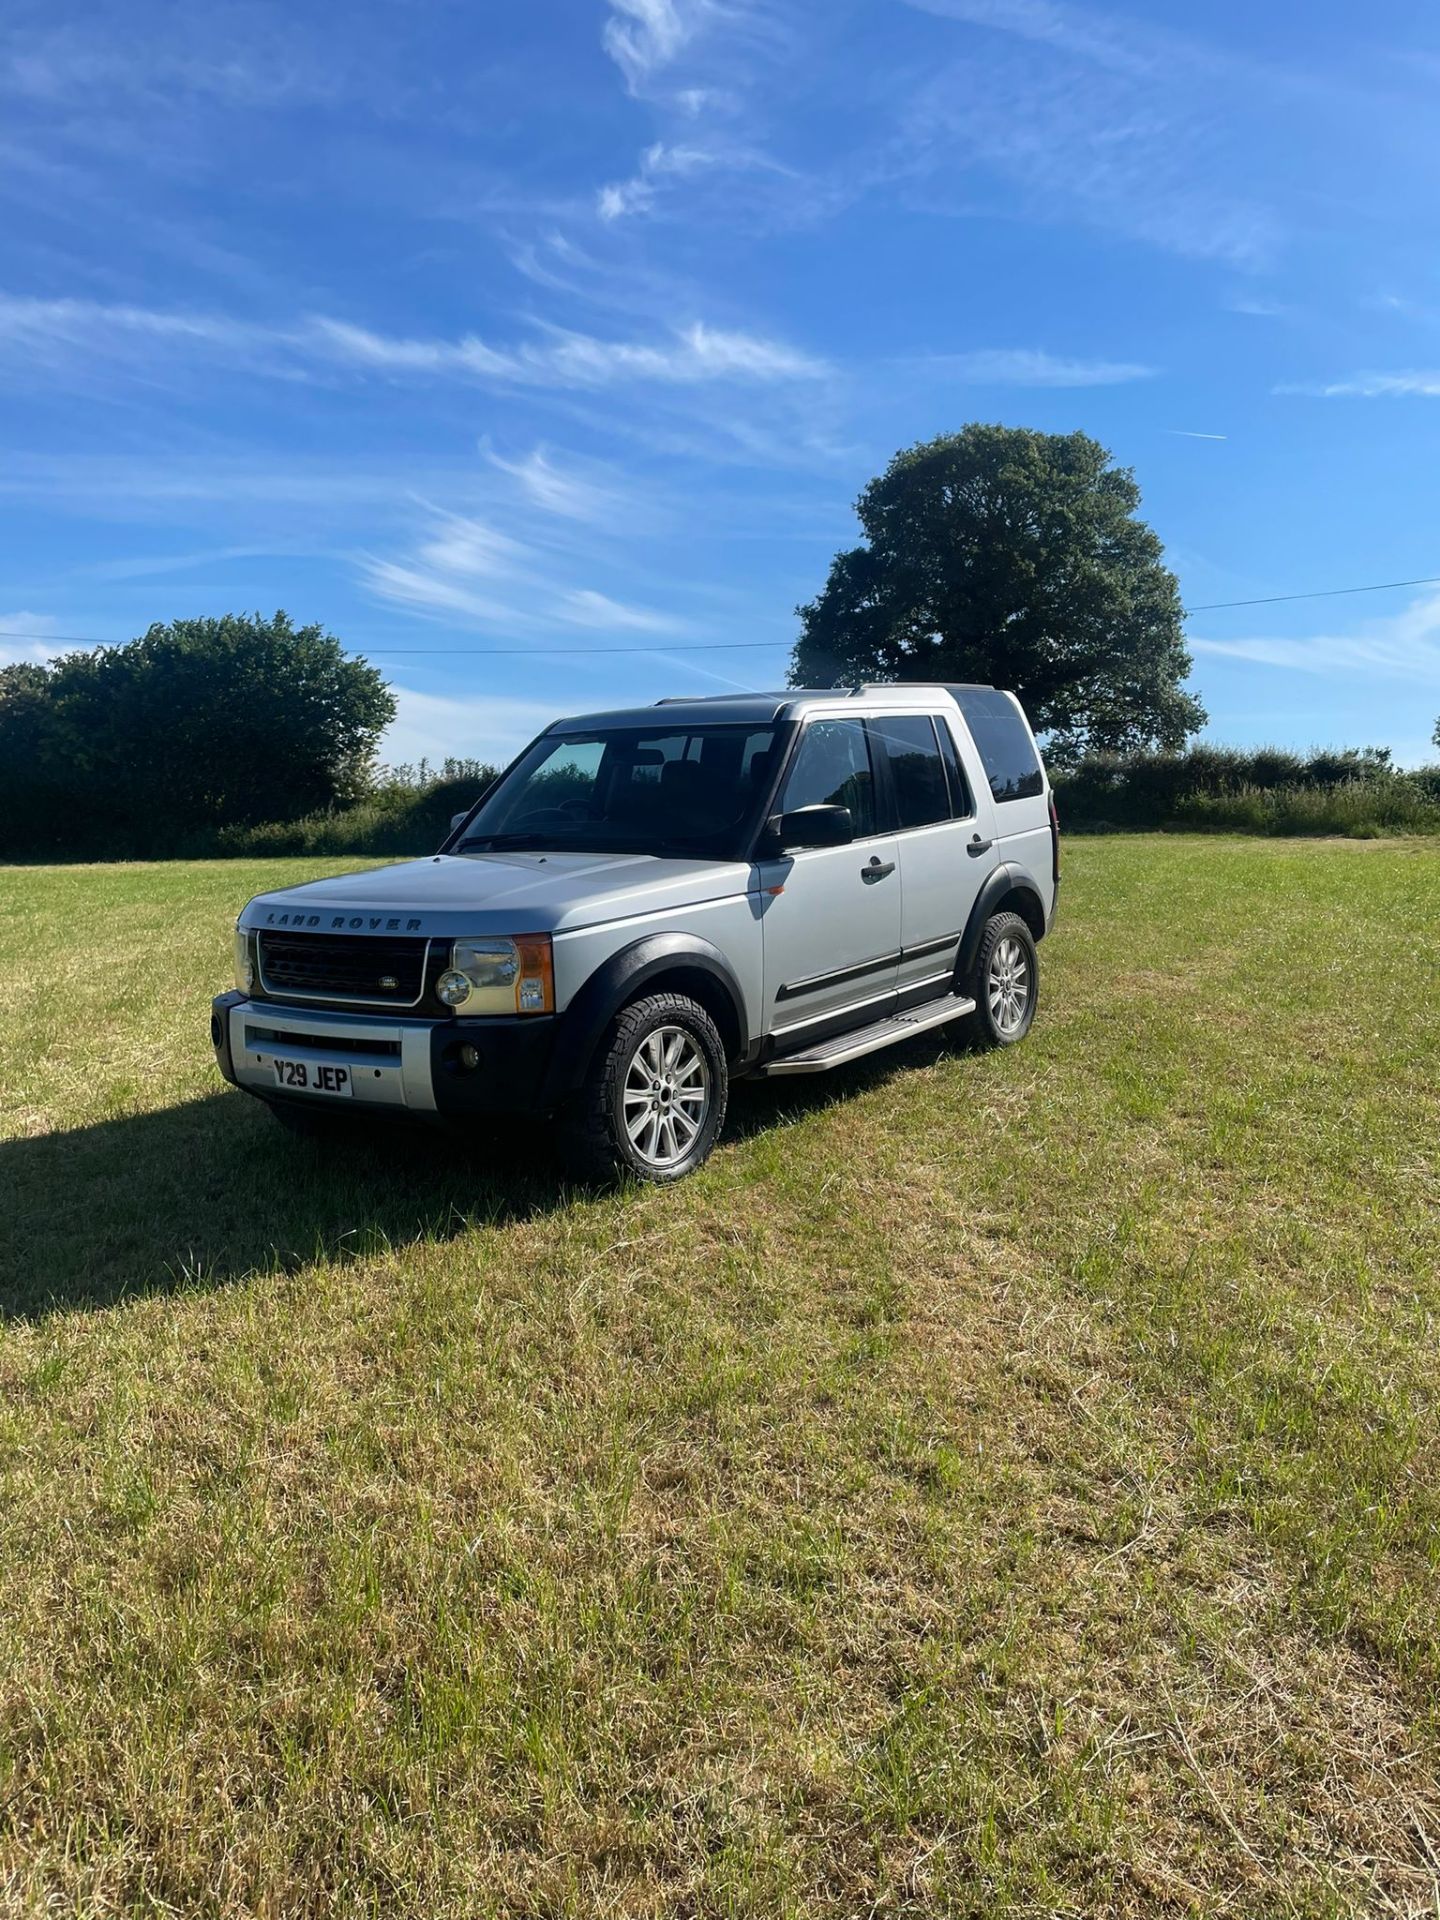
[631,790]
[832,768]
[1012,765]
[961,803]
[917,772]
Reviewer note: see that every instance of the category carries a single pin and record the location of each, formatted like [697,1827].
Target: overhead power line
[1323,593]
[712,646]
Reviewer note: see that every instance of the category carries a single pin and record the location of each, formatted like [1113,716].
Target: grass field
[998,1484]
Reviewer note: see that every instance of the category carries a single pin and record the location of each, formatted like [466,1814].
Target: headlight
[244,970]
[500,976]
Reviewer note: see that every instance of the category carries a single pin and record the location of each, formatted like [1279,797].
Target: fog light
[453,988]
[469,1058]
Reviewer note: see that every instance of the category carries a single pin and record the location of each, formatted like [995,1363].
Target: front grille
[323,1042]
[340,966]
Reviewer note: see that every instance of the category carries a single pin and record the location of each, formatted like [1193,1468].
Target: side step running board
[884,1033]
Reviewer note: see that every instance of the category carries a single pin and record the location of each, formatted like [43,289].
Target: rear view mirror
[820,826]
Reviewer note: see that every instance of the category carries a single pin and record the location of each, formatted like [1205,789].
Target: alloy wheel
[666,1096]
[1008,986]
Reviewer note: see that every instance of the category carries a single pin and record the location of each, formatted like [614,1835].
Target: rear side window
[832,768]
[1011,763]
[917,772]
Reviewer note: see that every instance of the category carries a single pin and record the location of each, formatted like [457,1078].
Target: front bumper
[397,1066]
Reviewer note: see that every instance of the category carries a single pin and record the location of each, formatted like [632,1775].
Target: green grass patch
[996,1484]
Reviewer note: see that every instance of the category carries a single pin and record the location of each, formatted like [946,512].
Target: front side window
[832,768]
[1007,752]
[917,772]
[629,790]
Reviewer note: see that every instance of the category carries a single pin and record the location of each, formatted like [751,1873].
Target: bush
[401,815]
[123,752]
[1356,792]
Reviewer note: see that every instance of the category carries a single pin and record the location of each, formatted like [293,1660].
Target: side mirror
[459,819]
[820,826]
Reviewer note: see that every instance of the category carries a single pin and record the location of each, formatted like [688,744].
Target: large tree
[196,725]
[1001,554]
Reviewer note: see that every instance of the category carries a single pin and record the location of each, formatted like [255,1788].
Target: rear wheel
[1004,982]
[654,1100]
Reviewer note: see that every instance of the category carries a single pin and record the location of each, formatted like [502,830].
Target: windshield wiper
[496,841]
[694,848]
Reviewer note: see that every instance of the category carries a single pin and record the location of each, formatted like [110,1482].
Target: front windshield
[675,790]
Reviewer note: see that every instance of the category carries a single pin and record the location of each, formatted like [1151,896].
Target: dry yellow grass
[997,1484]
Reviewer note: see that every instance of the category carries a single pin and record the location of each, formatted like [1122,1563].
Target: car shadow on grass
[213,1190]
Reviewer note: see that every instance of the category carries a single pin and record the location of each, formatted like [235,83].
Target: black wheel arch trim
[221,1008]
[619,980]
[1006,879]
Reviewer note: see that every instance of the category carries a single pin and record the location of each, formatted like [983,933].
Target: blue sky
[580,324]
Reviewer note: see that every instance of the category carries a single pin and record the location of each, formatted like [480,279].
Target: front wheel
[1004,982]
[654,1100]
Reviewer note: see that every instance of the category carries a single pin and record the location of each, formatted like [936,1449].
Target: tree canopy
[197,724]
[1006,555]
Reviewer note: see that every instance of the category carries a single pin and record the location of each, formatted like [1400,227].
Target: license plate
[305,1076]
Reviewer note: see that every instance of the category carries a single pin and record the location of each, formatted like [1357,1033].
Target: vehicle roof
[762,709]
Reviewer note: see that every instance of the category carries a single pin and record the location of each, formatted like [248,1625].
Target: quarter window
[1011,763]
[917,772]
[832,768]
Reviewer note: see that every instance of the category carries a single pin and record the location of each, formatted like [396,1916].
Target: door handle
[977,845]
[877,868]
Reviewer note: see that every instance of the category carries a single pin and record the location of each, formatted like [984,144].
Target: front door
[831,915]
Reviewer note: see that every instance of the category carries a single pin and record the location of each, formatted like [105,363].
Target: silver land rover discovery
[649,904]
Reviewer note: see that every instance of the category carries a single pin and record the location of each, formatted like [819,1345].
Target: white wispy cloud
[584,607]
[556,489]
[42,332]
[1403,646]
[148,566]
[664,166]
[473,548]
[1410,383]
[1086,115]
[642,36]
[658,164]
[464,570]
[1188,433]
[1032,367]
[435,592]
[1090,36]
[1255,307]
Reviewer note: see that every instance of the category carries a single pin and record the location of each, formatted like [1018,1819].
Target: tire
[654,1100]
[1004,982]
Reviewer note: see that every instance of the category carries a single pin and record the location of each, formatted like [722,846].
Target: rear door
[831,915]
[946,840]
[1016,778]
